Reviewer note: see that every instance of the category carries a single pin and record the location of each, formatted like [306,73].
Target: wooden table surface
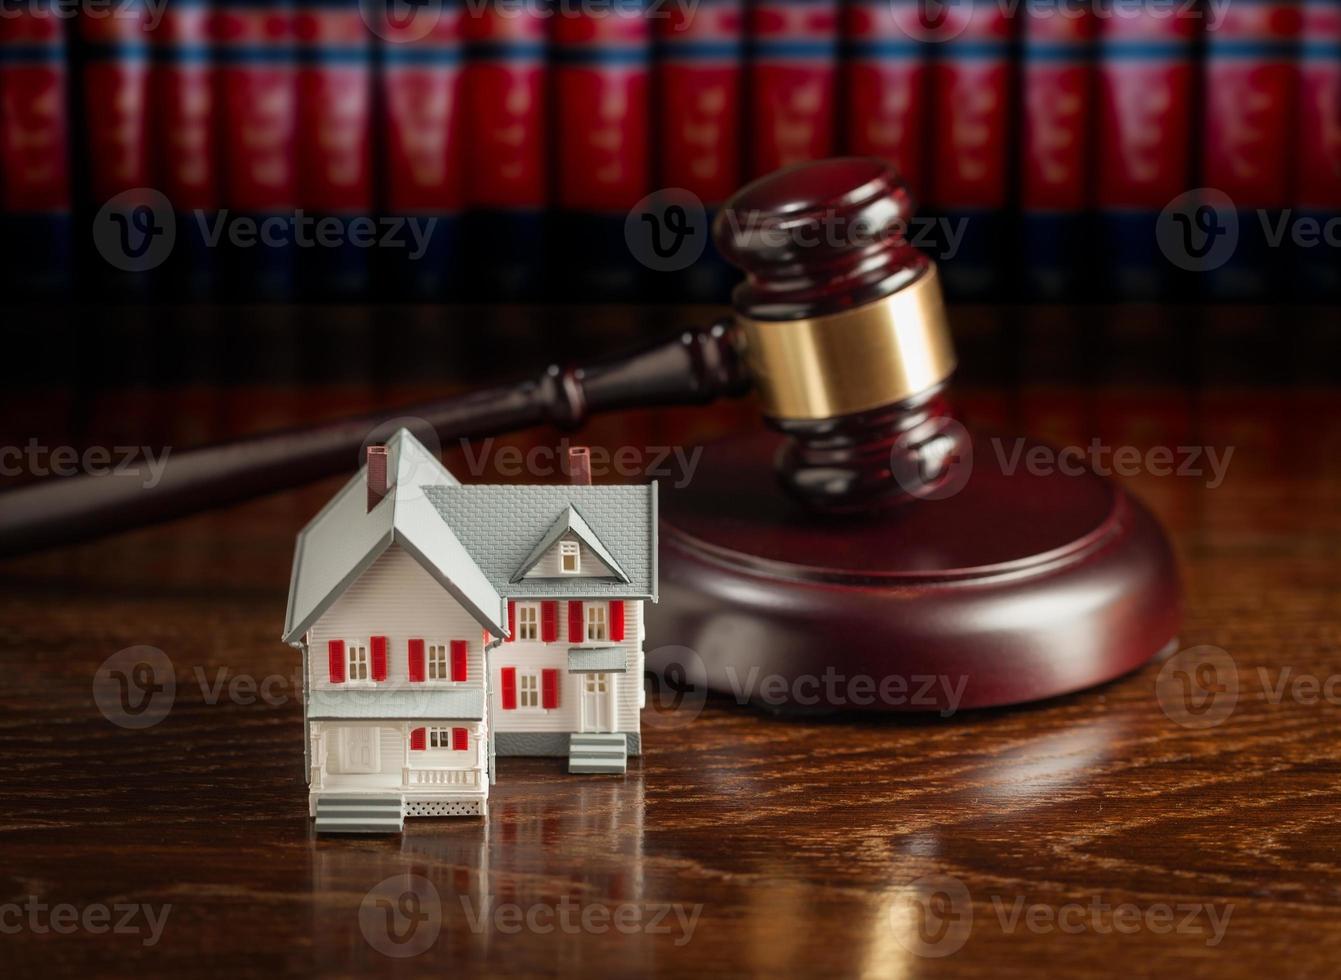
[1118,831]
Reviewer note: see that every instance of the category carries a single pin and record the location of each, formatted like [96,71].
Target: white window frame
[528,690]
[358,660]
[569,549]
[598,623]
[440,738]
[597,683]
[528,621]
[438,655]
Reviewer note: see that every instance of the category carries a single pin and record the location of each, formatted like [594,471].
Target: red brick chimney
[579,466]
[376,475]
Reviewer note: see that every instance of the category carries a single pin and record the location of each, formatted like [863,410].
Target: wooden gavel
[839,326]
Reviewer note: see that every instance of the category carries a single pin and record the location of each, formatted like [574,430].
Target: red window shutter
[549,621]
[616,619]
[549,688]
[415,660]
[508,687]
[459,740]
[458,660]
[575,634]
[378,645]
[336,648]
[419,739]
[512,620]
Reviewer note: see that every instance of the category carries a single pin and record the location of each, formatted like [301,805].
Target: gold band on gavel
[877,354]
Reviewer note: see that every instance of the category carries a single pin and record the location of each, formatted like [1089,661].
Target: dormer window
[570,562]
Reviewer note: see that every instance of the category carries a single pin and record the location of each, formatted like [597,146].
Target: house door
[598,702]
[360,749]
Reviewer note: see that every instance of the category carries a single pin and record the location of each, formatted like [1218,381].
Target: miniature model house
[444,625]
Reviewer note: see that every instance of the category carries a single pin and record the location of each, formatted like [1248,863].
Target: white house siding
[528,655]
[590,565]
[397,599]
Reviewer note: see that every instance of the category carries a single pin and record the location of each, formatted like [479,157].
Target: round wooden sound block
[1017,586]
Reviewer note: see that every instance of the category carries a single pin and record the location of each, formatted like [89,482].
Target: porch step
[603,753]
[360,815]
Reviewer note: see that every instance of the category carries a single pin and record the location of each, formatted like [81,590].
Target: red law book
[1316,151]
[1057,82]
[793,68]
[506,172]
[1143,157]
[113,108]
[886,83]
[972,93]
[258,71]
[335,97]
[1250,80]
[697,111]
[184,151]
[602,61]
[34,149]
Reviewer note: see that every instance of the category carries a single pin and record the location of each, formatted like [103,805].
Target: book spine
[126,213]
[886,86]
[1316,154]
[34,150]
[602,64]
[258,76]
[697,113]
[792,82]
[1056,100]
[972,97]
[183,111]
[334,136]
[506,173]
[1249,83]
[1146,76]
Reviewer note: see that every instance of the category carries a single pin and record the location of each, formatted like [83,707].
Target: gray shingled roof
[501,524]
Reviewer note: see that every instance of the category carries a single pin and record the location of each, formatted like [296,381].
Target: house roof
[569,520]
[503,525]
[345,538]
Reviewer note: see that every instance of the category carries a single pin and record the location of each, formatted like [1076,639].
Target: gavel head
[845,330]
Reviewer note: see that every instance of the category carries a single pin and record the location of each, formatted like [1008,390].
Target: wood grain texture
[801,842]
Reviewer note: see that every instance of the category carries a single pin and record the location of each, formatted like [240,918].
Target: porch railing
[440,777]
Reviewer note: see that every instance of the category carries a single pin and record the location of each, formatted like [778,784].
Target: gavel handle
[696,367]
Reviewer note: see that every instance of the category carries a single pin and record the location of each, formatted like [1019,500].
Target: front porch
[432,766]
